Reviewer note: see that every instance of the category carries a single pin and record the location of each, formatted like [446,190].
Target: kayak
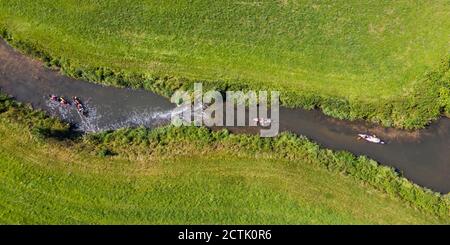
[79,106]
[371,138]
[265,122]
[262,121]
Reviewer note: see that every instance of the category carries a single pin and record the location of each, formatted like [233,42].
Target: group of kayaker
[64,102]
[61,100]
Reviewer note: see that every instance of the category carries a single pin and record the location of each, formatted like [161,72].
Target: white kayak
[371,138]
[264,122]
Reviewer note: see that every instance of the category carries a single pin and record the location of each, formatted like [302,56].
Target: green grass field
[363,52]
[47,183]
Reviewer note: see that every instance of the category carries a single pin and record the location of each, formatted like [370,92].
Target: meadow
[386,62]
[48,184]
[192,175]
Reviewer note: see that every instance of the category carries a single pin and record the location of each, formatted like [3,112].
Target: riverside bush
[41,126]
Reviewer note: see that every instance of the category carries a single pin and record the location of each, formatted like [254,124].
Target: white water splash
[148,118]
[62,111]
[95,122]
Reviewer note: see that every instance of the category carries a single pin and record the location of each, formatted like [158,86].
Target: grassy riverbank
[47,183]
[386,62]
[191,175]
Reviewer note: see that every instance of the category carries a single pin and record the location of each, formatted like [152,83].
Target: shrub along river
[422,156]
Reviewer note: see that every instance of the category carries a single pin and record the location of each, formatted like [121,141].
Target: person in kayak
[262,121]
[77,101]
[80,108]
[53,98]
[63,101]
[371,138]
[79,105]
[265,122]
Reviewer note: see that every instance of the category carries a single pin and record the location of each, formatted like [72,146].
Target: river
[422,156]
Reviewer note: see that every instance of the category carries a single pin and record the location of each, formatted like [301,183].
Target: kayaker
[265,121]
[63,101]
[371,138]
[79,105]
[77,101]
[53,97]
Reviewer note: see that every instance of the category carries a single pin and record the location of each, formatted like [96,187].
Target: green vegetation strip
[386,62]
[193,175]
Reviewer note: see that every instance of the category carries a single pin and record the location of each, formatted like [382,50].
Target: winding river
[422,156]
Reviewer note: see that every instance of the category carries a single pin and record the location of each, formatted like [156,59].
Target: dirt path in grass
[422,156]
